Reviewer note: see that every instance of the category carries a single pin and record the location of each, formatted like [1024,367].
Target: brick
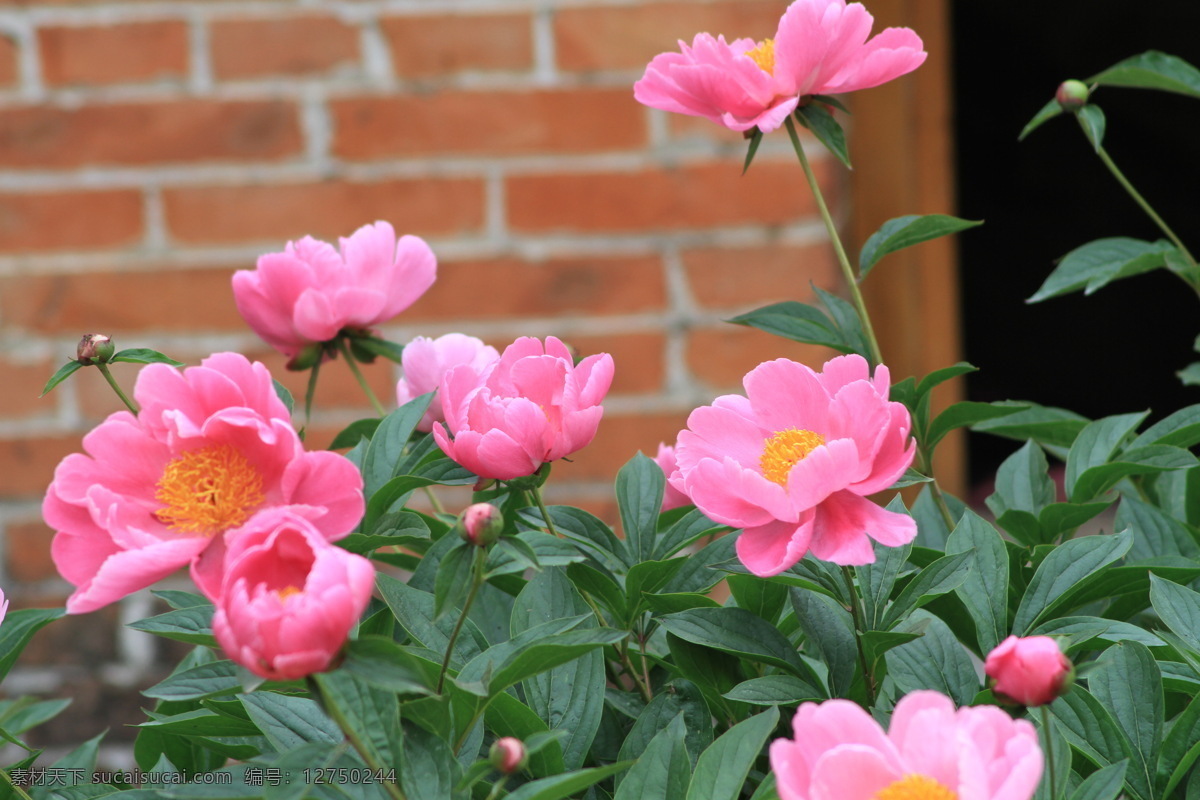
[21,389]
[96,398]
[147,133]
[694,196]
[28,464]
[732,278]
[618,438]
[326,210]
[488,122]
[503,288]
[116,302]
[627,37]
[69,220]
[105,54]
[638,359]
[721,356]
[425,46]
[27,551]
[308,45]
[10,71]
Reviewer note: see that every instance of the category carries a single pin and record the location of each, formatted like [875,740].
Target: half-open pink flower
[821,47]
[792,462]
[211,446]
[532,406]
[289,597]
[1029,670]
[929,750]
[425,362]
[672,497]
[310,292]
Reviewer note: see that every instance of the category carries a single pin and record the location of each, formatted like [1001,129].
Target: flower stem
[358,376]
[476,582]
[364,752]
[310,392]
[925,466]
[857,614]
[16,789]
[1049,751]
[541,504]
[843,261]
[132,406]
[495,792]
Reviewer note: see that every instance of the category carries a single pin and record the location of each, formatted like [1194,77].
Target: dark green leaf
[774,690]
[1047,112]
[202,680]
[1090,727]
[371,714]
[1091,119]
[877,579]
[192,625]
[284,395]
[1152,70]
[1181,746]
[663,771]
[755,140]
[380,347]
[586,530]
[984,592]
[798,322]
[1096,444]
[1066,566]
[355,432]
[559,787]
[414,611]
[940,376]
[428,769]
[942,576]
[722,769]
[1103,784]
[18,628]
[1046,425]
[901,232]
[845,317]
[454,578]
[639,489]
[388,443]
[1096,264]
[829,633]
[65,371]
[821,122]
[1126,680]
[289,721]
[964,414]
[737,631]
[687,529]
[1078,631]
[676,697]
[935,661]
[380,661]
[144,355]
[1179,609]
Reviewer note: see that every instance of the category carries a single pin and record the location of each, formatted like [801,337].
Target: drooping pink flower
[211,446]
[289,598]
[532,406]
[310,292]
[792,462]
[425,361]
[672,497]
[929,750]
[821,47]
[1030,670]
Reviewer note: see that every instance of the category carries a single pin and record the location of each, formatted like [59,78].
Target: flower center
[784,450]
[286,592]
[208,490]
[915,787]
[764,56]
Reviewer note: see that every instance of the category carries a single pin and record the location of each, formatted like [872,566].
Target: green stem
[16,789]
[363,751]
[843,261]
[1049,751]
[537,498]
[310,392]
[631,671]
[476,582]
[925,466]
[857,614]
[132,406]
[496,787]
[438,508]
[358,376]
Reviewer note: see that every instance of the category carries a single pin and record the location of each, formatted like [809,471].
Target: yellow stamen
[209,490]
[915,787]
[784,450]
[286,592]
[764,56]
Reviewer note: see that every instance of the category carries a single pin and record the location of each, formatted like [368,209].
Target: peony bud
[507,755]
[1072,95]
[480,524]
[94,347]
[1030,671]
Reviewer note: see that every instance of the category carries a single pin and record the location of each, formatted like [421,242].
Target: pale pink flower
[211,446]
[425,361]
[1030,670]
[3,606]
[929,750]
[310,292]
[792,462]
[289,598]
[821,47]
[532,406]
[672,497]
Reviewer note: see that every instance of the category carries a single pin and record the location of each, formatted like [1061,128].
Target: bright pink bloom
[930,750]
[289,598]
[672,497]
[821,47]
[309,292]
[3,606]
[211,446]
[793,461]
[532,406]
[425,361]
[1029,670]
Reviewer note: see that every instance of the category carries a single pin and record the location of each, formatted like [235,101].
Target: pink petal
[894,52]
[770,549]
[315,318]
[731,494]
[827,469]
[786,394]
[718,433]
[845,524]
[852,772]
[128,571]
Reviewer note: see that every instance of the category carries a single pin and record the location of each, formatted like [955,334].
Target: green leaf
[984,591]
[1150,460]
[1091,119]
[699,573]
[675,698]
[144,355]
[289,721]
[1103,784]
[585,530]
[1181,746]
[1096,444]
[382,662]
[901,232]
[1180,429]
[508,716]
[940,376]
[192,625]
[18,628]
[740,633]
[1190,376]
[414,611]
[845,318]
[1126,680]
[663,771]
[722,769]
[25,713]
[1079,631]
[797,322]
[371,713]
[827,130]
[1096,264]
[1067,565]
[65,371]
[1179,609]
[829,631]
[1152,70]
[202,680]
[935,661]
[692,526]
[942,576]
[427,767]
[877,579]
[454,578]
[388,443]
[1046,425]
[755,140]
[1047,112]
[559,787]
[1022,482]
[964,414]
[380,347]
[1090,728]
[284,395]
[355,432]
[774,690]
[639,489]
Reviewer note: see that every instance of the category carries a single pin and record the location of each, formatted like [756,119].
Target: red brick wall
[148,150]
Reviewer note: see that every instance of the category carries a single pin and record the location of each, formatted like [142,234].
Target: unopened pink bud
[480,524]
[507,755]
[1030,671]
[94,347]
[1072,95]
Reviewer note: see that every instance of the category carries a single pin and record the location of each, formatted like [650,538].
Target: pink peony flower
[930,750]
[507,755]
[3,606]
[821,47]
[289,598]
[425,361]
[1031,671]
[310,292]
[672,497]
[793,461]
[211,446]
[532,406]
